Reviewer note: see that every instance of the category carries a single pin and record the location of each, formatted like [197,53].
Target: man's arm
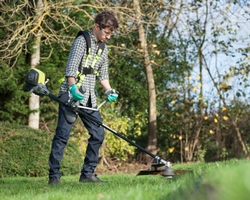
[71,80]
[105,84]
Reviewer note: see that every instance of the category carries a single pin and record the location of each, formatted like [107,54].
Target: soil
[120,167]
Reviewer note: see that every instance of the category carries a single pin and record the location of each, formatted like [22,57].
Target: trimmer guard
[158,168]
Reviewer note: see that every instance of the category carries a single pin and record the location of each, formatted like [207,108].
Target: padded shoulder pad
[102,46]
[88,41]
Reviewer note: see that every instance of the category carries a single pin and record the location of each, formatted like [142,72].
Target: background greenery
[190,126]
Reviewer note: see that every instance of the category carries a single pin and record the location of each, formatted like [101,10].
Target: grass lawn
[216,181]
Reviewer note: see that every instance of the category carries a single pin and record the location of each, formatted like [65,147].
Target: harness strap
[86,70]
[99,51]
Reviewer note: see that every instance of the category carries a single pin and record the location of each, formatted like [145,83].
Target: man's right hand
[78,96]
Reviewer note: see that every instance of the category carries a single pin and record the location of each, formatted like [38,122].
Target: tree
[152,139]
[204,19]
[29,25]
[140,18]
[35,60]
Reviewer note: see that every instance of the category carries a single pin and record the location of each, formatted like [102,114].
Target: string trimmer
[35,83]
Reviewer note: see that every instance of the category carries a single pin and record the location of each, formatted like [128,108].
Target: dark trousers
[61,138]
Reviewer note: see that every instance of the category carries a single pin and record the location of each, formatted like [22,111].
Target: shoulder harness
[88,70]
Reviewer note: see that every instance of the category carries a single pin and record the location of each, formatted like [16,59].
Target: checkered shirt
[76,61]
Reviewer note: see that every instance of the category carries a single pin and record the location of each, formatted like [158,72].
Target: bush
[25,152]
[11,92]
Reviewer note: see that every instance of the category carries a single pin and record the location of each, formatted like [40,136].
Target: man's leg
[59,142]
[94,143]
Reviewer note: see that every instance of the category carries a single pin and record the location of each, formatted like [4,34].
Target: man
[91,69]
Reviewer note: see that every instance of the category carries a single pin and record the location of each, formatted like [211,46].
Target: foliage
[200,66]
[217,133]
[113,147]
[13,104]
[127,75]
[194,126]
[54,69]
[117,148]
[25,152]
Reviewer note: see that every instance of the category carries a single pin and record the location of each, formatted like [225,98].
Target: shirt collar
[93,37]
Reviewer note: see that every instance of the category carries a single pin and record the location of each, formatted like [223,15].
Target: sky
[221,63]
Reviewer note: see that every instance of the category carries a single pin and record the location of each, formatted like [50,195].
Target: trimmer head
[158,168]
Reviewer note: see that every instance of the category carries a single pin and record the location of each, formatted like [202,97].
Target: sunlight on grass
[217,181]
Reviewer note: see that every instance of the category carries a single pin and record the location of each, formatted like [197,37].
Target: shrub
[25,152]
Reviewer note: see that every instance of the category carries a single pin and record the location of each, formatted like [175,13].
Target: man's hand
[78,96]
[112,94]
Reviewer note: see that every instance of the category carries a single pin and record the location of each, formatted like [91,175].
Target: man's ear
[97,26]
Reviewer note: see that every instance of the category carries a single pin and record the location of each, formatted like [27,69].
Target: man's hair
[107,19]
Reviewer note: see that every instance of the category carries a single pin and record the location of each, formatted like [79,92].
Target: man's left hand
[112,94]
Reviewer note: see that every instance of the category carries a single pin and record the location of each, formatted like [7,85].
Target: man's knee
[60,139]
[99,135]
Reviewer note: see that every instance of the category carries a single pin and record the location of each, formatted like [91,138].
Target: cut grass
[223,181]
[117,187]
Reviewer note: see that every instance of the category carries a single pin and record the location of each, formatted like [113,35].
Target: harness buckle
[87,70]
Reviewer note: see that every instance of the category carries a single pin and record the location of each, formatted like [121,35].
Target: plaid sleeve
[103,69]
[77,51]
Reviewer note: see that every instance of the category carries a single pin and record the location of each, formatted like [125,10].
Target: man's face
[103,34]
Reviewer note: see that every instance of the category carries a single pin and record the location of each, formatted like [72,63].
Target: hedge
[25,152]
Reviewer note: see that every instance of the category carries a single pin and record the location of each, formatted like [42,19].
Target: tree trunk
[244,148]
[152,139]
[34,102]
